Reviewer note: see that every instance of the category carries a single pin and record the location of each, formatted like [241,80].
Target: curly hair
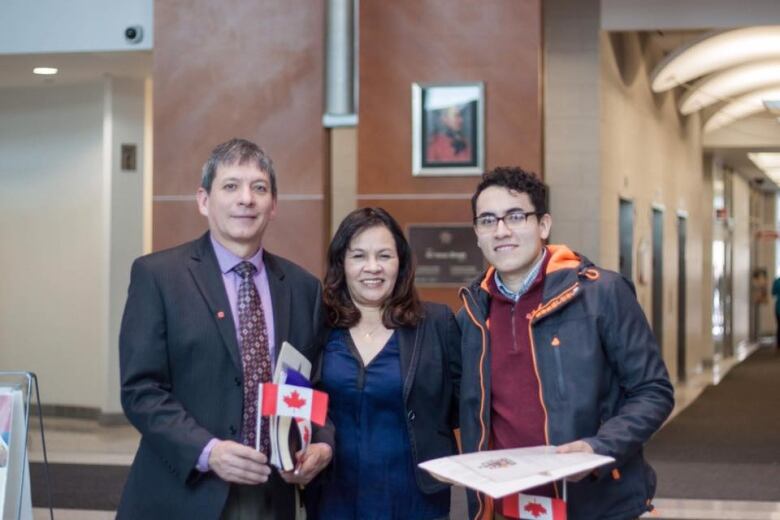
[516,179]
[402,308]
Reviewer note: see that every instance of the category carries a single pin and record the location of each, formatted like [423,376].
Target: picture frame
[448,129]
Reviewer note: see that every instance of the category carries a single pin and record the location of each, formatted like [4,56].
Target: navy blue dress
[373,473]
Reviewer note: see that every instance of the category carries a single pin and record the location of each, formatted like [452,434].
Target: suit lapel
[409,345]
[281,300]
[205,271]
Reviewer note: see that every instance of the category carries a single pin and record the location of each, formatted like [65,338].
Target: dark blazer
[430,368]
[181,375]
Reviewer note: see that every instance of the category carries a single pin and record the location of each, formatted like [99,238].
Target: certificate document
[499,473]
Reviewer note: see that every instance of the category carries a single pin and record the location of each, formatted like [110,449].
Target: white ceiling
[648,15]
[756,133]
[16,69]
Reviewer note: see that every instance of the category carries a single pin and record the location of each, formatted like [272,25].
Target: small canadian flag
[534,508]
[293,401]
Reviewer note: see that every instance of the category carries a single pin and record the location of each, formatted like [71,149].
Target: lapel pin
[220,315]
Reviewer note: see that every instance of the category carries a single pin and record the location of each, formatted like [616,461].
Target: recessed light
[773,105]
[769,163]
[45,71]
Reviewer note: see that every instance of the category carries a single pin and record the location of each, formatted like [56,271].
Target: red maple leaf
[535,509]
[305,435]
[294,400]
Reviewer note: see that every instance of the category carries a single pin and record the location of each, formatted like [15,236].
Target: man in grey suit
[202,325]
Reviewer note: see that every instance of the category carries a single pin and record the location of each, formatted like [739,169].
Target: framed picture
[448,128]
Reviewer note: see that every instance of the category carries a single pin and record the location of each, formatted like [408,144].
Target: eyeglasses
[513,219]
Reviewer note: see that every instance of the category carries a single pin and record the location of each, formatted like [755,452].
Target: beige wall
[608,137]
[70,225]
[702,327]
[740,293]
[343,176]
[572,163]
[52,293]
[764,219]
[124,105]
[652,156]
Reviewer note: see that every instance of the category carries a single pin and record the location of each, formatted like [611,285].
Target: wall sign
[446,254]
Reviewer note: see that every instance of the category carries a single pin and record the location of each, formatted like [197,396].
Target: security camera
[134,34]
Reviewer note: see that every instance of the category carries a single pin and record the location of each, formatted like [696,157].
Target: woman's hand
[310,462]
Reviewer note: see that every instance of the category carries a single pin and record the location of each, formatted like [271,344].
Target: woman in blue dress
[391,367]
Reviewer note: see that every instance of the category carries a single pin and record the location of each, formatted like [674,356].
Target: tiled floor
[85,442]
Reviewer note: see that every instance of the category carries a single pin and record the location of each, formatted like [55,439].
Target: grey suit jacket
[181,375]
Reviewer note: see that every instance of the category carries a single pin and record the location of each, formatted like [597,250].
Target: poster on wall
[448,129]
[15,498]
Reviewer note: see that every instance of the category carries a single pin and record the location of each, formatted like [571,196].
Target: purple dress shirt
[227,261]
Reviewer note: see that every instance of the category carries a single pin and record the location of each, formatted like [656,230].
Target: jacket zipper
[470,312]
[481,384]
[539,383]
[552,304]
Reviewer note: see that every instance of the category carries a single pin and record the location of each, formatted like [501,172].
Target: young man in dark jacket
[556,351]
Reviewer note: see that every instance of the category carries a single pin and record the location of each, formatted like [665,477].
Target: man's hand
[310,462]
[239,464]
[576,447]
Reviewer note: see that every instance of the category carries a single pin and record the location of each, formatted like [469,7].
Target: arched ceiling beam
[741,107]
[716,51]
[729,83]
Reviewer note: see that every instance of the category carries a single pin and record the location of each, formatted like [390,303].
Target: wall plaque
[446,254]
[128,157]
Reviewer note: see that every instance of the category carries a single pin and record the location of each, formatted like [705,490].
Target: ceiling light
[730,83]
[45,71]
[716,51]
[769,163]
[773,105]
[765,159]
[741,107]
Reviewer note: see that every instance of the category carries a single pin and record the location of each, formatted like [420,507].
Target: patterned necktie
[255,356]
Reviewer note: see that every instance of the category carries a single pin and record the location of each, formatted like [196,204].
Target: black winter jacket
[602,380]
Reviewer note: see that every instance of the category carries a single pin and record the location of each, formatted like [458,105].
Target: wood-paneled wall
[255,70]
[498,42]
[237,68]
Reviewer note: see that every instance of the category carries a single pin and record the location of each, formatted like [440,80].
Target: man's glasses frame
[512,219]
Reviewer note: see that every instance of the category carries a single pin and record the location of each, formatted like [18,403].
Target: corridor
[718,456]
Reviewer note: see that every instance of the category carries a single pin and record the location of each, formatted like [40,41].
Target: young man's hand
[576,447]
